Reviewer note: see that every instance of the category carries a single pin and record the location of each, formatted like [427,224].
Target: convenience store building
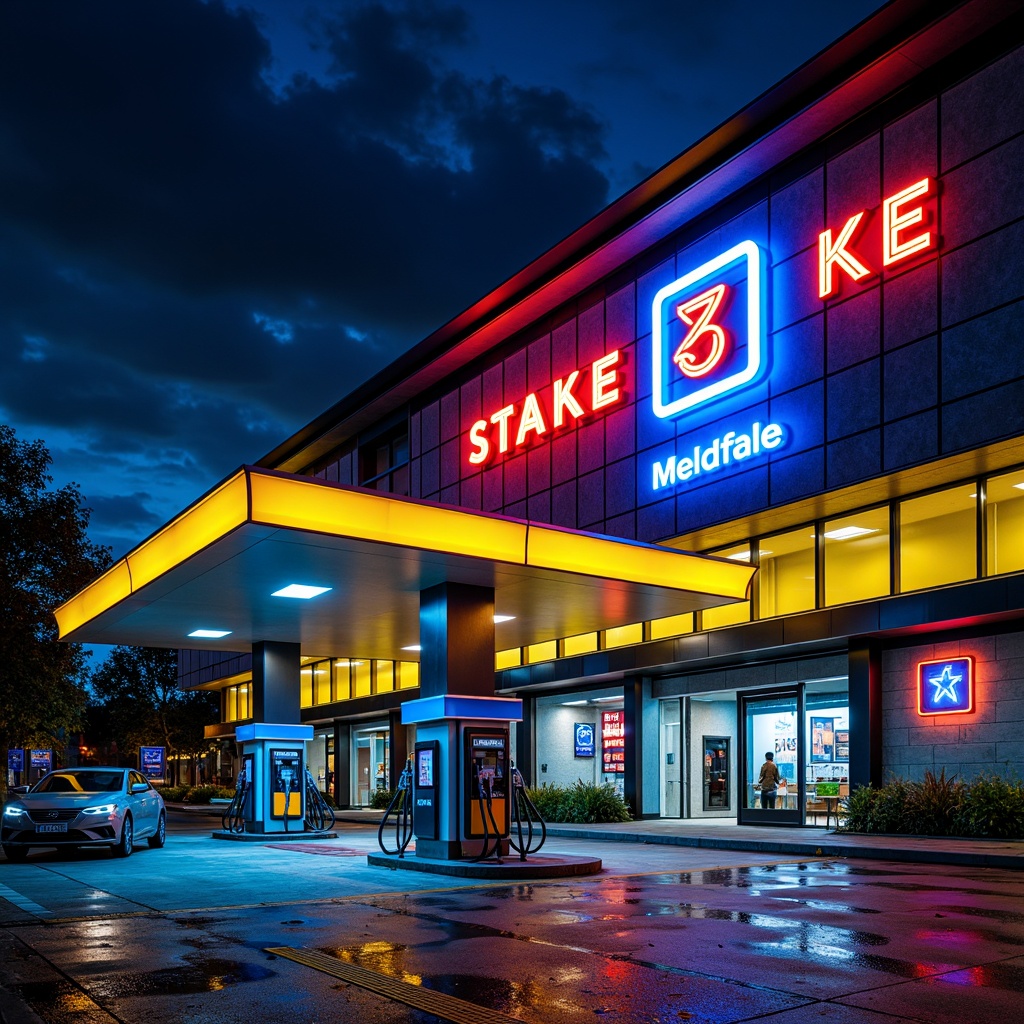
[797,349]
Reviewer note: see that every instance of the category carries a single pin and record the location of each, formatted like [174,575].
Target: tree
[138,688]
[45,558]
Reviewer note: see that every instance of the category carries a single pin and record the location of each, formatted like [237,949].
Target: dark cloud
[214,222]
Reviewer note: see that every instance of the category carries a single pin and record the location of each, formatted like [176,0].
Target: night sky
[217,219]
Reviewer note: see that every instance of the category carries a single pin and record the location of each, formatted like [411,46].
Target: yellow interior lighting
[609,559]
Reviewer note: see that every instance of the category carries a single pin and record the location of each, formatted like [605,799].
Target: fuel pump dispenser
[274,759]
[461,775]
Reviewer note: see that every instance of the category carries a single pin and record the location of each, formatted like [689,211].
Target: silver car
[74,807]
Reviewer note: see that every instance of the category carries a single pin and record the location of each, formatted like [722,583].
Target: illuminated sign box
[945,687]
[708,331]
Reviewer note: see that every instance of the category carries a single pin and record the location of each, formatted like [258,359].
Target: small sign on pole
[151,762]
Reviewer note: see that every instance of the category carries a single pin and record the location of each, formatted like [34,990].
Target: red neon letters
[705,306]
[567,405]
[836,253]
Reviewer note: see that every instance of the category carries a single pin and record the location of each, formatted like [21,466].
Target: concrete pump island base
[294,567]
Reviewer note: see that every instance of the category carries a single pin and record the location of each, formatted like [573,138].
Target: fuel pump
[285,785]
[235,816]
[486,795]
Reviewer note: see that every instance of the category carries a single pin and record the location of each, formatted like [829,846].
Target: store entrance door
[370,755]
[771,735]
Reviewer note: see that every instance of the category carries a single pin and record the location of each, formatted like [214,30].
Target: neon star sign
[945,687]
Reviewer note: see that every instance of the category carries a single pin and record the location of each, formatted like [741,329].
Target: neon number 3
[698,313]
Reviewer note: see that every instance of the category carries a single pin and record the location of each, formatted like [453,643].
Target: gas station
[376,569]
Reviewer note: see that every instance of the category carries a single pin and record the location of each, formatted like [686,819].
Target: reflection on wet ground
[718,944]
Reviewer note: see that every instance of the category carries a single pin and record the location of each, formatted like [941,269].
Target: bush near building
[988,807]
[582,803]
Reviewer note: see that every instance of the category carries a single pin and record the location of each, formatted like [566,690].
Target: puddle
[195,976]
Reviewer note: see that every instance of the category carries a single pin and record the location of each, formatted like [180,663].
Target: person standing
[768,780]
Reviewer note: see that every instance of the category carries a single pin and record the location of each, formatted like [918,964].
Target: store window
[582,643]
[580,736]
[1004,521]
[827,765]
[360,676]
[237,702]
[385,676]
[770,735]
[370,760]
[622,636]
[512,658]
[786,575]
[672,625]
[306,686]
[322,682]
[342,683]
[716,784]
[546,651]
[938,538]
[857,557]
[408,674]
[728,614]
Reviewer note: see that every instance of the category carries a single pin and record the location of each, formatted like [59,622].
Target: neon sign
[836,254]
[515,425]
[730,447]
[708,302]
[708,332]
[945,687]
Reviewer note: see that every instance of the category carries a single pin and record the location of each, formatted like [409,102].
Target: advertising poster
[15,760]
[41,760]
[613,742]
[151,762]
[823,739]
[584,743]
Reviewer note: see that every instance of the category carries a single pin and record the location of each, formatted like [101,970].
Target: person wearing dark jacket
[768,780]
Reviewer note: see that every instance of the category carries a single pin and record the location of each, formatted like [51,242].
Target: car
[79,807]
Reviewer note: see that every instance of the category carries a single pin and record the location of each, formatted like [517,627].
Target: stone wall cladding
[900,369]
[989,739]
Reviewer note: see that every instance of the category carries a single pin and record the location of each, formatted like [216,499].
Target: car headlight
[13,812]
[100,809]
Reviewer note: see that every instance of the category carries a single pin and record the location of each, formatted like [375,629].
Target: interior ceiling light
[301,591]
[1020,486]
[343,662]
[210,634]
[740,556]
[503,618]
[413,647]
[846,532]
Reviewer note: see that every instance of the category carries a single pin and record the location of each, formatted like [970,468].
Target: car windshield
[80,781]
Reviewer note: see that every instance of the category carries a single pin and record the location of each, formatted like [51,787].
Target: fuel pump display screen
[286,783]
[426,798]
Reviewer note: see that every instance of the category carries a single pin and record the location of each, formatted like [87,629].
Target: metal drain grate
[444,1006]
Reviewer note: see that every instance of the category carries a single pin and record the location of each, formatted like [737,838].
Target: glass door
[772,775]
[671,759]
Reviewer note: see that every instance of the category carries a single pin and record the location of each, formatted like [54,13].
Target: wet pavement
[204,931]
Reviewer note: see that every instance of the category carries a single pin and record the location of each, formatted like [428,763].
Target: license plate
[61,827]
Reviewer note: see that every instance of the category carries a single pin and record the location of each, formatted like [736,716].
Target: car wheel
[15,852]
[126,844]
[159,837]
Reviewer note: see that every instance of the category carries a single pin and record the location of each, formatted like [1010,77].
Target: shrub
[988,806]
[380,798]
[203,794]
[992,807]
[582,803]
[174,794]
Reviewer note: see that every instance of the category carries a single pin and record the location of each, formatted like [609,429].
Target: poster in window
[613,742]
[823,740]
[584,739]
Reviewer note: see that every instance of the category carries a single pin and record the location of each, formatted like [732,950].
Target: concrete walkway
[724,834]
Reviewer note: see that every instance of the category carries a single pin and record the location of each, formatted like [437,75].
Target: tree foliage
[138,690]
[45,558]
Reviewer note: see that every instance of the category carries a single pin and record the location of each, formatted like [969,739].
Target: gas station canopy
[219,566]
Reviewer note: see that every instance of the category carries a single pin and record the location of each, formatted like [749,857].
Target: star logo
[945,685]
